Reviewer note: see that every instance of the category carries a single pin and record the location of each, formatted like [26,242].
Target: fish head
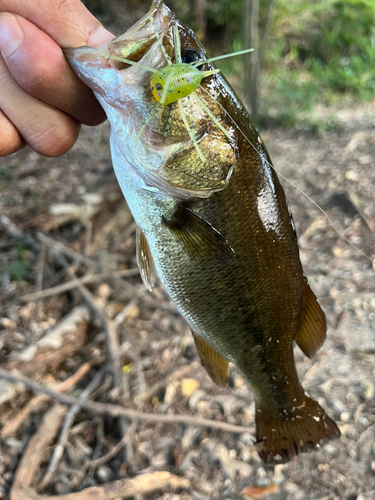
[178,148]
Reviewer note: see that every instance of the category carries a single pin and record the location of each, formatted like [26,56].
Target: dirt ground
[76,318]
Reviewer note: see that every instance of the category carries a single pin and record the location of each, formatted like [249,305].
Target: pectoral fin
[216,366]
[197,235]
[312,332]
[145,261]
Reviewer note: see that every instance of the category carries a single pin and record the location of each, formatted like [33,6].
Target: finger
[48,131]
[11,140]
[67,22]
[38,65]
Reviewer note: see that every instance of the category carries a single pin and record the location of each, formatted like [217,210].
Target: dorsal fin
[145,261]
[197,235]
[215,364]
[313,327]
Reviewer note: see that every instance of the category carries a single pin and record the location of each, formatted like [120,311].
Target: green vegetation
[318,52]
[18,270]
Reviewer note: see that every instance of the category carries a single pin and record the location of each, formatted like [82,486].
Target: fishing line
[177,43]
[283,176]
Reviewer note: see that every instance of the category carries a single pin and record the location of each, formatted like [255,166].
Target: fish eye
[190,55]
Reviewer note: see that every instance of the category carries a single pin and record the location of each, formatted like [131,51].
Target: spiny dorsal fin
[215,364]
[312,332]
[197,235]
[145,261]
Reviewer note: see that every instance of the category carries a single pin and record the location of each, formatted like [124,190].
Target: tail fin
[306,427]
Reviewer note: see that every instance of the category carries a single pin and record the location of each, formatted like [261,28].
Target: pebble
[104,473]
[245,455]
[197,396]
[330,449]
[7,323]
[345,416]
[278,477]
[62,488]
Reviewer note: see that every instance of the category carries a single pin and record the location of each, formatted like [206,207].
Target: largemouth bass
[213,221]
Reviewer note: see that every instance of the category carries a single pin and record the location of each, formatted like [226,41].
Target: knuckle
[56,140]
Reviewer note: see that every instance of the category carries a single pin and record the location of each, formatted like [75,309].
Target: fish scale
[218,233]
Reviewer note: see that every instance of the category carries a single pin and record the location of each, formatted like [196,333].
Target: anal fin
[215,364]
[313,327]
[145,261]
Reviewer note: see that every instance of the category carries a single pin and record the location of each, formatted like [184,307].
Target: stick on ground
[119,411]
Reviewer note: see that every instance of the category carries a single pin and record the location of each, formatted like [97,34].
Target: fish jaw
[171,162]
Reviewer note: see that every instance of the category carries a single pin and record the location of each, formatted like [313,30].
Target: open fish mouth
[176,147]
[132,45]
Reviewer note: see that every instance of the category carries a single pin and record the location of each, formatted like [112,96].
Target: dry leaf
[188,386]
[259,491]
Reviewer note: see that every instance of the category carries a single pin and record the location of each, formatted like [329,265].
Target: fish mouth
[165,158]
[132,45]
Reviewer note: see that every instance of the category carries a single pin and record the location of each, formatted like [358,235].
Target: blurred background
[68,278]
[308,54]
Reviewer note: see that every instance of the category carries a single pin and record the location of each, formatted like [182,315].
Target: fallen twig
[111,334]
[61,248]
[112,453]
[118,411]
[124,488]
[63,436]
[77,282]
[9,227]
[58,343]
[35,452]
[13,425]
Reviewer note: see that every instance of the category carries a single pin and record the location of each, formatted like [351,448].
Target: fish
[213,222]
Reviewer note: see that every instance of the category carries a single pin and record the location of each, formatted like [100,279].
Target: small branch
[263,41]
[76,283]
[40,269]
[118,411]
[34,454]
[13,425]
[155,304]
[68,422]
[124,488]
[112,453]
[61,248]
[10,228]
[112,339]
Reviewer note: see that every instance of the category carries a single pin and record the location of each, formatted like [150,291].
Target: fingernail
[11,34]
[99,37]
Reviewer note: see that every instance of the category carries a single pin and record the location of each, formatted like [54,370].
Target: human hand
[42,102]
